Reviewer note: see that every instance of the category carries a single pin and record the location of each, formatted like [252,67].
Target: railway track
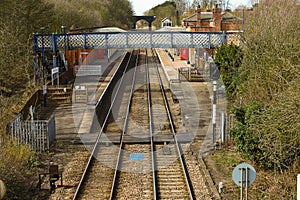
[137,154]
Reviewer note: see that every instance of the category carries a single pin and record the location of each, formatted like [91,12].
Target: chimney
[217,17]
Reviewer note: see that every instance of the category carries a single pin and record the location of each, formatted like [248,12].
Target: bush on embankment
[265,97]
[15,169]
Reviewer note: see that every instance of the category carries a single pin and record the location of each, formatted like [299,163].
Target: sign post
[54,72]
[243,175]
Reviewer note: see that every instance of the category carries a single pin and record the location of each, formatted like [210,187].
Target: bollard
[220,187]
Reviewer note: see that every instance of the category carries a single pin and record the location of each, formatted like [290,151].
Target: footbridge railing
[133,39]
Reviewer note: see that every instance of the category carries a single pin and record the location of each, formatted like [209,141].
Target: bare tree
[181,6]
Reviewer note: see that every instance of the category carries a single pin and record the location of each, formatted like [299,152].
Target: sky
[140,6]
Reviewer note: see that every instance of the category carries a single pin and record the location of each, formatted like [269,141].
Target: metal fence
[39,134]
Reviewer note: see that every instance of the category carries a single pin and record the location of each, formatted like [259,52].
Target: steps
[61,94]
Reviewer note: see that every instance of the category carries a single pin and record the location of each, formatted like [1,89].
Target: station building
[214,20]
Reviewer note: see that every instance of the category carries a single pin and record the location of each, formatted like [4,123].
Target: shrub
[14,169]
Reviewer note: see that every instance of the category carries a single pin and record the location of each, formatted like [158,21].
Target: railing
[134,39]
[88,70]
[39,134]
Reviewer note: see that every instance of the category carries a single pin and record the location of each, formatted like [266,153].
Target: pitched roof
[204,16]
[165,19]
[192,18]
[228,16]
[207,16]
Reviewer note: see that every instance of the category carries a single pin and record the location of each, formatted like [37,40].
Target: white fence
[39,134]
[88,70]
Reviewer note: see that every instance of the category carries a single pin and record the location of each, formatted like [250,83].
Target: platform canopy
[132,39]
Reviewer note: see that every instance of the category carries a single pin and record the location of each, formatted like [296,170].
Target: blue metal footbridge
[133,39]
[55,43]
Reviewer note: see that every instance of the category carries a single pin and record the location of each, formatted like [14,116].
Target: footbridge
[133,39]
[58,44]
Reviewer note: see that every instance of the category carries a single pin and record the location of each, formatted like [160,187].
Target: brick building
[212,21]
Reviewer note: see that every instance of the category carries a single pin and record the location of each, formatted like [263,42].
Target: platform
[171,67]
[88,107]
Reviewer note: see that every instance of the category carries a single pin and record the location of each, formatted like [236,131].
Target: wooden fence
[39,134]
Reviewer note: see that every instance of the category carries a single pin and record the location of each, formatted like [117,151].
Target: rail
[183,165]
[124,131]
[95,148]
[151,128]
[115,182]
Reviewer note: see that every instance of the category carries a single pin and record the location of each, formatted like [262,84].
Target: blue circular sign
[242,174]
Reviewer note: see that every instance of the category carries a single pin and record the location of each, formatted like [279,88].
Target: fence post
[48,133]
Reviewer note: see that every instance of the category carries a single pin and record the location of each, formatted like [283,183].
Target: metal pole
[247,183]
[195,52]
[63,29]
[214,111]
[223,127]
[58,78]
[52,77]
[43,66]
[38,68]
[54,56]
[34,69]
[242,178]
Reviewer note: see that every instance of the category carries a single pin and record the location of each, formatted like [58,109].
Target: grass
[269,185]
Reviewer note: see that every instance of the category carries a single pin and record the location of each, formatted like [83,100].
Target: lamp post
[43,65]
[214,75]
[63,30]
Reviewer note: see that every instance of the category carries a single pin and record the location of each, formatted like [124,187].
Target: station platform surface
[170,66]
